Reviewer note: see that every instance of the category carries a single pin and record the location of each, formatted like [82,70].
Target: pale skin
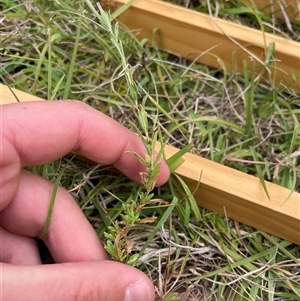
[40,132]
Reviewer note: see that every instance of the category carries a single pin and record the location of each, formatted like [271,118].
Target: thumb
[83,281]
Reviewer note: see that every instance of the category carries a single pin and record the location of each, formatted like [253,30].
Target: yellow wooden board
[212,41]
[241,197]
[227,191]
[10,95]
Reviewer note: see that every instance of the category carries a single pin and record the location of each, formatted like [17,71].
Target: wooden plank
[241,196]
[199,37]
[227,191]
[7,95]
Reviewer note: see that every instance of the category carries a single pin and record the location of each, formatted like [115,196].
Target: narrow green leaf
[10,89]
[176,160]
[249,97]
[141,159]
[121,10]
[39,66]
[259,171]
[160,223]
[53,96]
[213,120]
[73,60]
[51,205]
[190,198]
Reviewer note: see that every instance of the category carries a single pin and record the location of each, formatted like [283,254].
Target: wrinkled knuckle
[87,290]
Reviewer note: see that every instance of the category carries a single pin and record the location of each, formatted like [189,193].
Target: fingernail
[137,292]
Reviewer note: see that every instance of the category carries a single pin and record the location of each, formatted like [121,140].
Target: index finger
[40,132]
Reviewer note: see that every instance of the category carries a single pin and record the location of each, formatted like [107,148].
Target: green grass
[58,50]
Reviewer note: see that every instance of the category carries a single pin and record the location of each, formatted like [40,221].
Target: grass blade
[73,61]
[176,160]
[259,171]
[194,206]
[51,205]
[160,223]
[121,10]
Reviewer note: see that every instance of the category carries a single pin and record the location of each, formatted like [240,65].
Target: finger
[40,132]
[93,281]
[70,236]
[17,249]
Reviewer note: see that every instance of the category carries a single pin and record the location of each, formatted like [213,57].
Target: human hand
[37,133]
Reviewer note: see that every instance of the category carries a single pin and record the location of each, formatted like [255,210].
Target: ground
[54,49]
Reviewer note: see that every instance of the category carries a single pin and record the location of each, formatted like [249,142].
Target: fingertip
[138,291]
[98,280]
[164,174]
[17,249]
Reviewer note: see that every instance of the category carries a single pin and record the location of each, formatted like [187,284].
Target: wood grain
[241,197]
[227,191]
[10,95]
[196,36]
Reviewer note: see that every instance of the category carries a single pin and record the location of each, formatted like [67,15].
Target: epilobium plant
[117,244]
